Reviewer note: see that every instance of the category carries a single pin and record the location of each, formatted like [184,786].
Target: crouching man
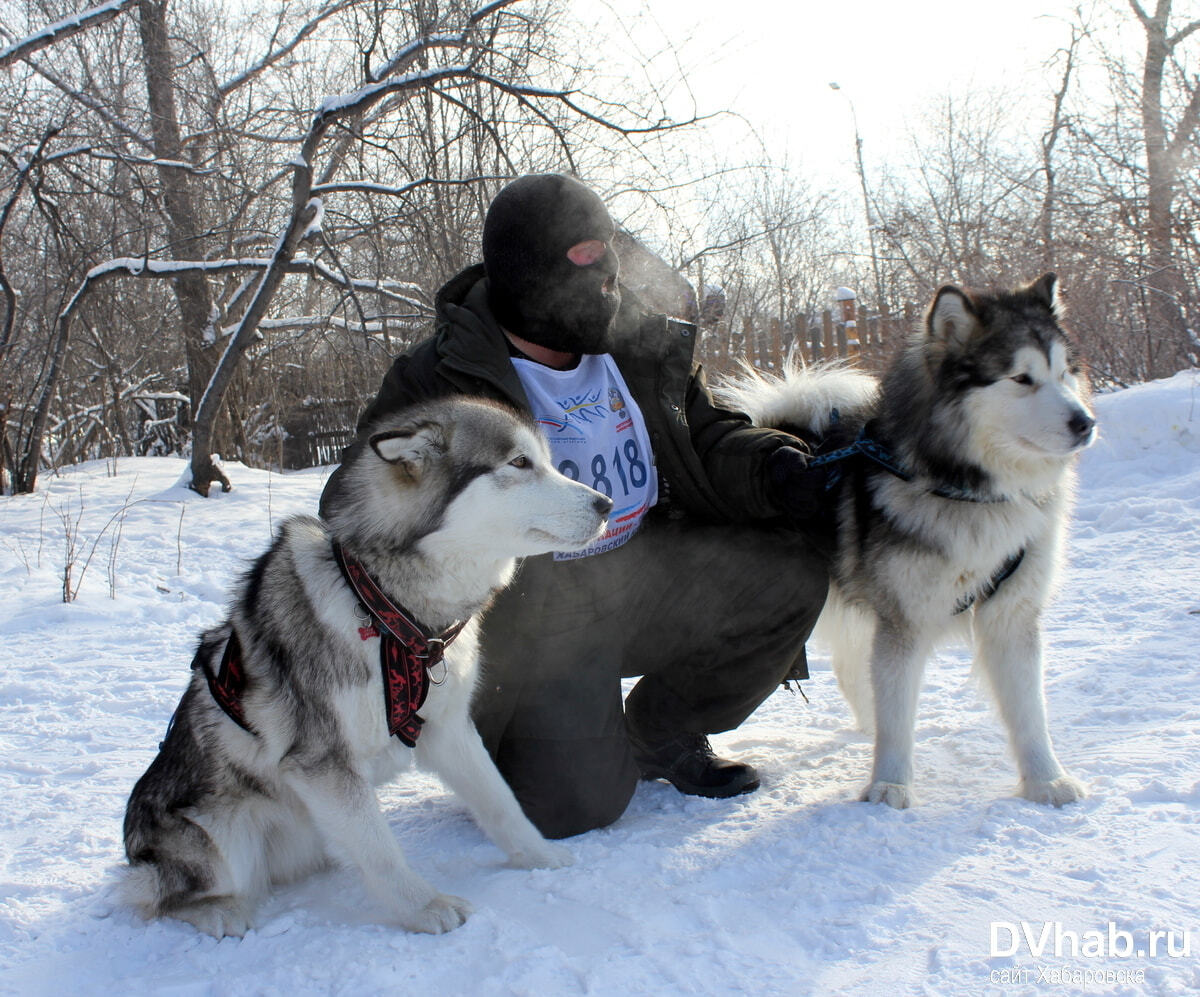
[711,575]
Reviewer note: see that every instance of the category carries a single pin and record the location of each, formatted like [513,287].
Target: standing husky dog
[269,767]
[955,477]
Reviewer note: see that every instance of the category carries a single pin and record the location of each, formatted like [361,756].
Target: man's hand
[799,490]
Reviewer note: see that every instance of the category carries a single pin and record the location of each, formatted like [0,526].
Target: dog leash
[877,453]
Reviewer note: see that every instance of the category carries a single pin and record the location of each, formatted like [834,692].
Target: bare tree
[1135,162]
[1050,139]
[1166,145]
[292,230]
[965,205]
[179,199]
[765,240]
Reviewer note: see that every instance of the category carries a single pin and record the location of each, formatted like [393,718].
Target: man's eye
[521,461]
[1023,379]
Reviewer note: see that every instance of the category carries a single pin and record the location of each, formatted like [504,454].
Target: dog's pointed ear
[952,319]
[411,448]
[1045,290]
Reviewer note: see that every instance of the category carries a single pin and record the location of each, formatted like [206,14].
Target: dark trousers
[713,618]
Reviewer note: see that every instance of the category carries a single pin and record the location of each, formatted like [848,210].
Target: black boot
[688,763]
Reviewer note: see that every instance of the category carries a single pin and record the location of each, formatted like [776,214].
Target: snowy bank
[794,889]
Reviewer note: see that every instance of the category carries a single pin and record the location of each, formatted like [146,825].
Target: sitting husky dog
[953,480]
[306,698]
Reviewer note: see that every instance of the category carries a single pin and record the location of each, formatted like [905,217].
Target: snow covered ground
[794,889]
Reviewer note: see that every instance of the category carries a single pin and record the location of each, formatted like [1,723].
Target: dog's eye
[522,461]
[1024,380]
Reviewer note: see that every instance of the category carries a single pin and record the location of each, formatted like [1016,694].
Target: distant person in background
[713,571]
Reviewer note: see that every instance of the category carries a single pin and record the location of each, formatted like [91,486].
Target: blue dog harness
[877,453]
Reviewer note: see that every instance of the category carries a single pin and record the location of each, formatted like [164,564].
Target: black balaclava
[534,290]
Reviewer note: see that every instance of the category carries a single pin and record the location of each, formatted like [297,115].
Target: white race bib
[598,436]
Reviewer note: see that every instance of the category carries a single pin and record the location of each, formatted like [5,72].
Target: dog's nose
[1081,424]
[602,504]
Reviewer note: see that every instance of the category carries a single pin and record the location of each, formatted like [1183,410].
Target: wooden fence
[865,339]
[315,434]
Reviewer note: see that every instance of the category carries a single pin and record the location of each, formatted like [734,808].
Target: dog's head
[464,476]
[1002,377]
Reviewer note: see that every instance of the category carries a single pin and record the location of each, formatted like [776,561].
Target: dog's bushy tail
[171,861]
[140,887]
[801,397]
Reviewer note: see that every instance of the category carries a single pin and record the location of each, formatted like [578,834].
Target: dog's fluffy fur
[436,507]
[987,403]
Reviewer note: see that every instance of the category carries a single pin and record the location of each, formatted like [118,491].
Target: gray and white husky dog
[954,475]
[269,768]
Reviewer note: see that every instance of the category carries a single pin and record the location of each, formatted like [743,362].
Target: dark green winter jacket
[711,462]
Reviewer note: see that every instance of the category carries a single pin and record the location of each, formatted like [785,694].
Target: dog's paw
[219,916]
[443,913]
[897,795]
[1056,792]
[547,855]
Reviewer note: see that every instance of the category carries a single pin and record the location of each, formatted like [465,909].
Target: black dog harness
[1005,571]
[406,653]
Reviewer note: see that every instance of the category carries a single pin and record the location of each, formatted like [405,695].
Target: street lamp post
[862,179]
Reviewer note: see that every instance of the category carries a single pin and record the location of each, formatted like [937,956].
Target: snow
[313,229]
[793,889]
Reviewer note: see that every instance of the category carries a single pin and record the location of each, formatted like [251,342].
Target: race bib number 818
[597,436]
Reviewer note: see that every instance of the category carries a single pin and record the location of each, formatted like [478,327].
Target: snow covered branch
[369,187]
[398,291]
[62,29]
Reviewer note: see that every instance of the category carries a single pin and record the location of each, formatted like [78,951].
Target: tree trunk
[1049,141]
[30,461]
[183,226]
[1167,289]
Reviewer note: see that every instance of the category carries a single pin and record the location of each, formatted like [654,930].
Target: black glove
[799,490]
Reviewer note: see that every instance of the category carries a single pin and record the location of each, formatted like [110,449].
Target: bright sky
[772,62]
